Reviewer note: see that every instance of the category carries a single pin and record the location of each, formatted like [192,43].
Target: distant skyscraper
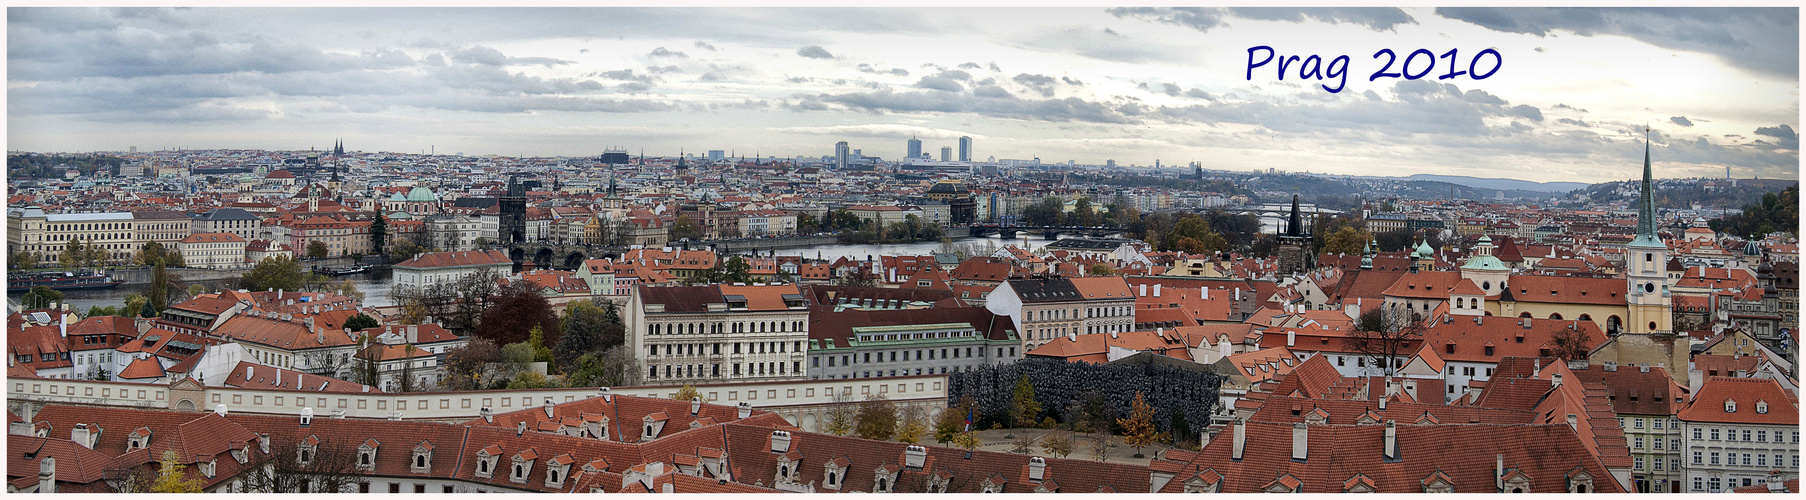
[965,148]
[841,154]
[717,155]
[915,148]
[946,153]
[1110,163]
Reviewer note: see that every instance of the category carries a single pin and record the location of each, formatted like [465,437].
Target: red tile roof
[1710,404]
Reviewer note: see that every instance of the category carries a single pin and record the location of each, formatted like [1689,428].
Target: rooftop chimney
[219,409]
[81,436]
[606,396]
[487,414]
[780,441]
[1498,472]
[1037,468]
[1241,439]
[695,405]
[1291,338]
[307,416]
[520,428]
[744,410]
[1390,448]
[547,406]
[915,456]
[47,475]
[248,371]
[1300,444]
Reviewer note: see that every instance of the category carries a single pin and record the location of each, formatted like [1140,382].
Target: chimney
[487,414]
[219,409]
[915,456]
[1238,294]
[1300,444]
[1411,388]
[695,405]
[263,442]
[62,319]
[547,406]
[780,441]
[520,428]
[1144,289]
[1574,422]
[1775,484]
[1390,447]
[606,396]
[1498,474]
[413,334]
[1037,468]
[744,410]
[47,475]
[1203,438]
[1382,404]
[1204,292]
[1156,290]
[81,436]
[307,416]
[1291,338]
[1644,368]
[1555,379]
[248,371]
[1241,439]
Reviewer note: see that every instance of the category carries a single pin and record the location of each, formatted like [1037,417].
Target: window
[1714,482]
[1656,422]
[1761,459]
[1637,423]
[1746,435]
[394,487]
[1761,436]
[1658,463]
[1696,458]
[1639,463]
[1638,444]
[1714,434]
[420,487]
[1697,483]
[1696,432]
[1714,458]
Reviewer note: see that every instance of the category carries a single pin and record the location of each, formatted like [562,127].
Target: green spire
[1646,213]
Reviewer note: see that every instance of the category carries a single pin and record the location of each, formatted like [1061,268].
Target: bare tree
[1571,342]
[324,465]
[1382,337]
[1099,445]
[1023,441]
[838,420]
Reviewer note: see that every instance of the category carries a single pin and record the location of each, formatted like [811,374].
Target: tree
[584,322]
[515,310]
[1023,441]
[360,322]
[73,254]
[134,305]
[685,228]
[277,273]
[1571,343]
[1099,445]
[1138,429]
[329,466]
[379,229]
[877,418]
[22,259]
[1347,240]
[952,420]
[316,249]
[838,420]
[1383,337]
[471,366]
[966,440]
[1059,443]
[154,253]
[913,425]
[368,367]
[688,393]
[94,311]
[159,288]
[345,288]
[1102,269]
[613,367]
[1024,410]
[404,249]
[195,290]
[530,380]
[40,297]
[170,476]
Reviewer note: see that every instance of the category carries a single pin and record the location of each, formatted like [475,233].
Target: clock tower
[1645,266]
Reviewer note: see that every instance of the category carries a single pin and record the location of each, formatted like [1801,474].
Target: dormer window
[366,454]
[1730,406]
[1762,407]
[486,460]
[557,469]
[208,467]
[423,457]
[523,465]
[304,452]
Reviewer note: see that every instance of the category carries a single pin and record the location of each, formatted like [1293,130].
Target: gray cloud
[970,65]
[814,52]
[1377,19]
[1681,120]
[940,82]
[704,46]
[1785,135]
[1058,110]
[1763,40]
[868,68]
[1526,111]
[1567,107]
[1571,121]
[626,74]
[1072,81]
[1039,83]
[1198,18]
[662,52]
[664,69]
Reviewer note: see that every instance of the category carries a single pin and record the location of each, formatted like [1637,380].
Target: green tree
[361,321]
[1138,429]
[952,420]
[736,270]
[405,249]
[74,253]
[159,288]
[316,249]
[134,305]
[530,380]
[1347,240]
[94,311]
[877,418]
[584,324]
[1024,410]
[1058,443]
[196,290]
[688,392]
[683,227]
[1102,269]
[838,419]
[171,478]
[40,297]
[276,273]
[379,230]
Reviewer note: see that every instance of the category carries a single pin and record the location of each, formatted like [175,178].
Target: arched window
[420,460]
[1526,314]
[1585,317]
[1554,315]
[1613,324]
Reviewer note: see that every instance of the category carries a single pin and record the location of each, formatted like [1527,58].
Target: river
[376,284]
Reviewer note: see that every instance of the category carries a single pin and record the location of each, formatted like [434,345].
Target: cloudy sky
[1718,87]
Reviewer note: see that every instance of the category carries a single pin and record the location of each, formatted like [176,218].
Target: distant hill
[1501,184]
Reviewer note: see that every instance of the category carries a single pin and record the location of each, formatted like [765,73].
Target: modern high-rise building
[915,149]
[946,153]
[841,154]
[965,148]
[717,155]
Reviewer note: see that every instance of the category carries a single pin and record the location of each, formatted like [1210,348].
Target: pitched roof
[1710,404]
[469,258]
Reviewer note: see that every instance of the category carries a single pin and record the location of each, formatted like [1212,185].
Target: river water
[376,284]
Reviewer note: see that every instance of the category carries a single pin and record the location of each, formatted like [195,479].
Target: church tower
[1295,244]
[1646,265]
[513,210]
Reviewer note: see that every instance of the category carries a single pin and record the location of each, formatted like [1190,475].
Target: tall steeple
[1646,212]
[1295,225]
